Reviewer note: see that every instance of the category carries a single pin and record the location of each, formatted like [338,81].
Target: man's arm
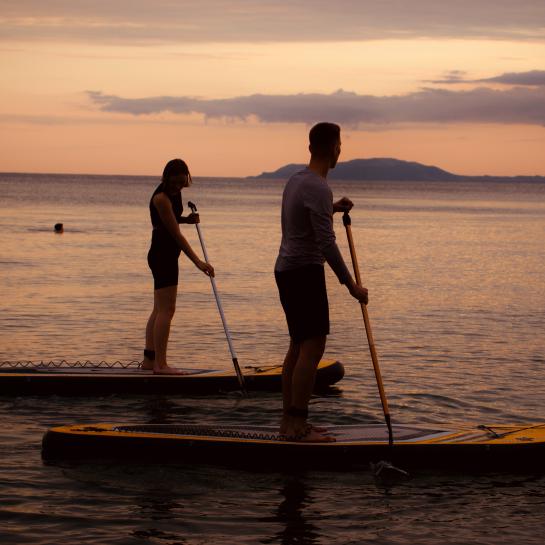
[321,210]
[319,202]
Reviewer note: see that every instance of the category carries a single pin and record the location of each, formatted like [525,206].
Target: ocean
[455,273]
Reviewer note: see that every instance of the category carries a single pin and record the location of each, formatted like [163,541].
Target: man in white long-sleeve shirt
[308,241]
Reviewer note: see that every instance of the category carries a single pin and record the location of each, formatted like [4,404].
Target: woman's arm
[191,218]
[164,208]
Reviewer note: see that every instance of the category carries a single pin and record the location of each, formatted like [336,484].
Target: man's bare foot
[319,429]
[306,434]
[284,427]
[166,370]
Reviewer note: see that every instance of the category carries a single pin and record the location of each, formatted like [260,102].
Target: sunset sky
[121,86]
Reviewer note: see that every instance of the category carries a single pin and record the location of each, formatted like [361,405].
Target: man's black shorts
[303,296]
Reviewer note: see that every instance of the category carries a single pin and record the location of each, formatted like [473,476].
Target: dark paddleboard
[497,448]
[100,380]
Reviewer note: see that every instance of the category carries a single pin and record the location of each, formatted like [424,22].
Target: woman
[166,244]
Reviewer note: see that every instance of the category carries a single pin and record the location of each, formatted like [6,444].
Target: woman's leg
[150,345]
[164,308]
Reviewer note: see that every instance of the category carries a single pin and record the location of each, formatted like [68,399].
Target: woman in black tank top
[167,242]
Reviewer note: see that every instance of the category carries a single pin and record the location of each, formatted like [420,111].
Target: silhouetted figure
[308,240]
[167,242]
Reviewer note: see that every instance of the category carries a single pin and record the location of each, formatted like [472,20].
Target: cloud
[190,21]
[533,78]
[482,105]
[60,120]
[452,76]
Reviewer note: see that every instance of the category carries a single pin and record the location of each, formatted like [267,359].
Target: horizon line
[260,176]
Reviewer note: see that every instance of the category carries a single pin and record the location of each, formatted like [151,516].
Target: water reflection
[296,529]
[158,410]
[454,271]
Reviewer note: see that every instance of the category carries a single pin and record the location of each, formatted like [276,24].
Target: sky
[233,87]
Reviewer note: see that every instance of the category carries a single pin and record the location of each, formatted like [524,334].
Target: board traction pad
[350,433]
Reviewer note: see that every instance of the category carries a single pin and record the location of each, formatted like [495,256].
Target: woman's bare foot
[147,364]
[283,425]
[313,436]
[319,429]
[166,370]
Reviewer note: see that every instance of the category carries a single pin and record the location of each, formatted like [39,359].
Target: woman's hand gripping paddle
[347,222]
[240,377]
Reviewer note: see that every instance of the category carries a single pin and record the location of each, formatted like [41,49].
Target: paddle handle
[236,365]
[370,340]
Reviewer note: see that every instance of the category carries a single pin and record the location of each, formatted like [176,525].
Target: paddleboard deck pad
[88,380]
[498,447]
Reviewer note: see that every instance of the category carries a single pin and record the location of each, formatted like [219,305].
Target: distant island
[386,169]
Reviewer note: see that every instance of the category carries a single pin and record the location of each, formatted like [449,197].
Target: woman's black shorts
[164,267]
[303,296]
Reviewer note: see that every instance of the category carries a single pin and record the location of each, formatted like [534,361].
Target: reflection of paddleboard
[97,380]
[501,447]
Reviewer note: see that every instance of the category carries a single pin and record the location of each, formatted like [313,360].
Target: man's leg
[287,378]
[302,386]
[304,373]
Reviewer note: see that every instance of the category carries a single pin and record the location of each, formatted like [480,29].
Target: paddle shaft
[240,377]
[347,224]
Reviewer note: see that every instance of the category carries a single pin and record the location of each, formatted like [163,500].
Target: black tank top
[161,239]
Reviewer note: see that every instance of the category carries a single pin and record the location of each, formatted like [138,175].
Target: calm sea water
[457,290]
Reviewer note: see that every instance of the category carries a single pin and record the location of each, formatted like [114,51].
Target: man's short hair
[323,136]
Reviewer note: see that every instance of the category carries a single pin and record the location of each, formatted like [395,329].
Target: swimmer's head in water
[59,228]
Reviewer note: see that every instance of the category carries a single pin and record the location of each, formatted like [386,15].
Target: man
[308,240]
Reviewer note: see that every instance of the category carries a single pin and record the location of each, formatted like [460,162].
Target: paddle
[240,377]
[347,222]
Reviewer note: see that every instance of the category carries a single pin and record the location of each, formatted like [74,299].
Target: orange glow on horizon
[48,123]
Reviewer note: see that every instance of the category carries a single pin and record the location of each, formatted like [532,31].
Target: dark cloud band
[533,78]
[165,21]
[482,105]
